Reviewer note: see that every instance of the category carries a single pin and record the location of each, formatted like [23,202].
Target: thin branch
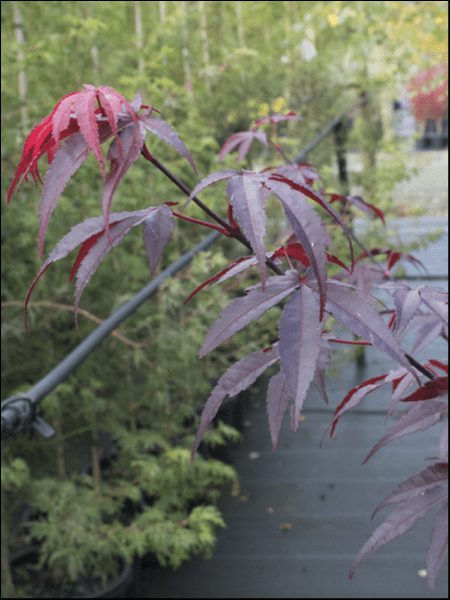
[81,311]
[236,234]
[180,185]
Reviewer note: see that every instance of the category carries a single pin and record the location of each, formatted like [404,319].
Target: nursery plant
[311,288]
[139,495]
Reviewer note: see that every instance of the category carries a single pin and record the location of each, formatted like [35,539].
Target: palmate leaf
[95,243]
[299,345]
[157,231]
[407,303]
[363,205]
[67,161]
[211,179]
[427,327]
[243,311]
[432,476]
[242,140]
[307,190]
[165,132]
[322,363]
[237,379]
[248,197]
[309,229]
[356,312]
[401,520]
[238,266]
[121,158]
[89,117]
[439,545]
[354,397]
[277,404]
[439,305]
[422,416]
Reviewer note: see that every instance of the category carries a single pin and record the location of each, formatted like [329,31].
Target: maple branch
[180,185]
[281,151]
[231,231]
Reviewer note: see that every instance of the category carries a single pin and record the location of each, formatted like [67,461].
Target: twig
[234,233]
[81,311]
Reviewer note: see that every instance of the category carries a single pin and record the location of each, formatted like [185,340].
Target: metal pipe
[48,383]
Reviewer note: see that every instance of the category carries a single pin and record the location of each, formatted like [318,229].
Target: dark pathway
[303,513]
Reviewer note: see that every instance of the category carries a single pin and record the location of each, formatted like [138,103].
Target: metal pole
[18,411]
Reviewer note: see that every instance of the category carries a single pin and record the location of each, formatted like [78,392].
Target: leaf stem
[200,222]
[232,232]
[238,235]
[419,367]
[180,185]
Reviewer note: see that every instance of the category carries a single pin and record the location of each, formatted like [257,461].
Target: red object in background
[429,93]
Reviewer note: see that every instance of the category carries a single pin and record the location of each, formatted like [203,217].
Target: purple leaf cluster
[310,301]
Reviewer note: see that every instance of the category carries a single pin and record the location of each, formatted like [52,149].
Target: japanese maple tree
[295,274]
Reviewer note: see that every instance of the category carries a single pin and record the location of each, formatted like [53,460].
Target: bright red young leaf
[78,111]
[89,118]
[428,391]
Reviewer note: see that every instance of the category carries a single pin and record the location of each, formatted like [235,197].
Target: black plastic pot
[115,588]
